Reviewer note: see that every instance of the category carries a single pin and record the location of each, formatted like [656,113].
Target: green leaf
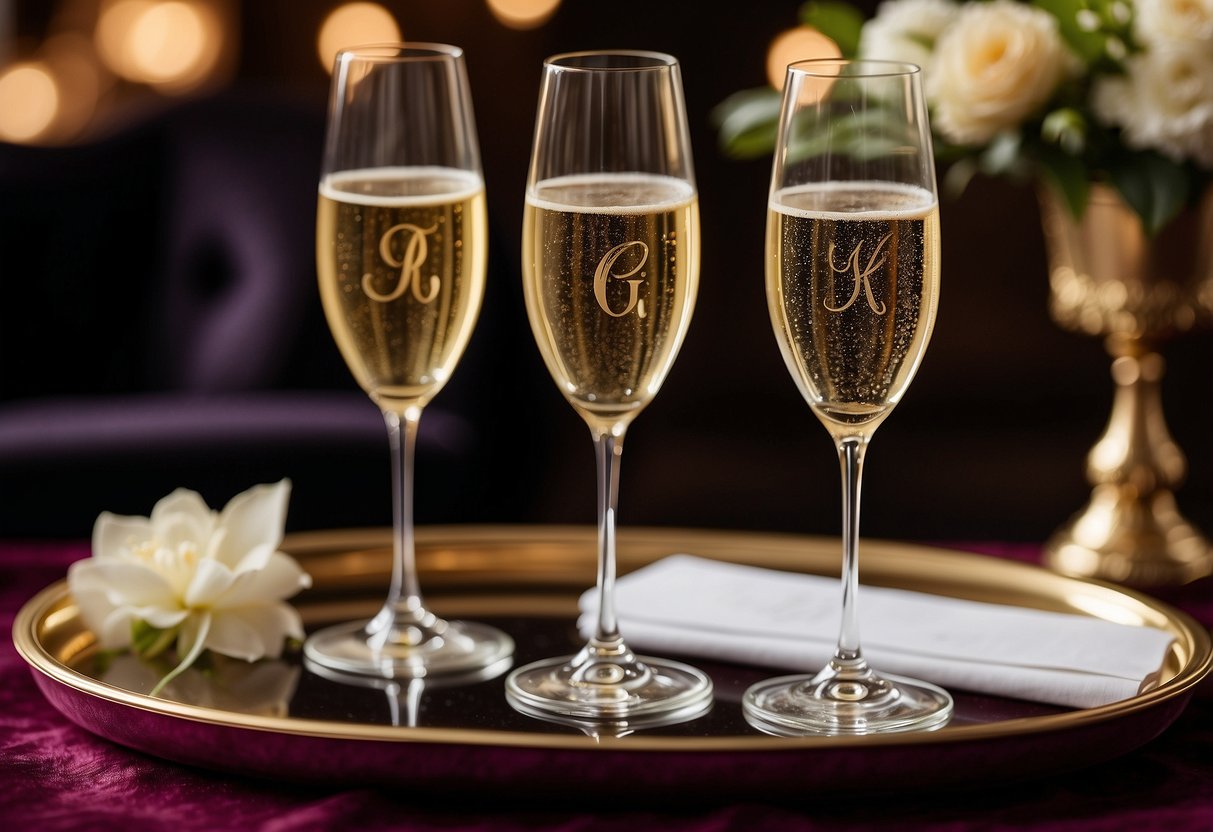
[1068,174]
[1155,187]
[840,22]
[857,147]
[862,134]
[148,641]
[747,122]
[1066,128]
[1002,154]
[958,175]
[1088,45]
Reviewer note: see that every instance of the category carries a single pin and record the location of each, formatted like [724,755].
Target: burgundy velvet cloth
[56,776]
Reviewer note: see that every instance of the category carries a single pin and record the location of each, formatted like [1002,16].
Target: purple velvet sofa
[160,327]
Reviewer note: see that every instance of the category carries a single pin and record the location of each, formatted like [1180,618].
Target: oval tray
[280,720]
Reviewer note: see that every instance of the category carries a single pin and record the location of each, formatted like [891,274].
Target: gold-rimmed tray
[280,720]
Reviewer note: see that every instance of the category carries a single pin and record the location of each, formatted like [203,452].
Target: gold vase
[1108,278]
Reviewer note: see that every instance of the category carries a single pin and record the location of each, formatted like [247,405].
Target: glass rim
[398,51]
[567,61]
[875,68]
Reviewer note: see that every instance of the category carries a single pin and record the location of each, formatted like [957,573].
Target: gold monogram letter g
[604,271]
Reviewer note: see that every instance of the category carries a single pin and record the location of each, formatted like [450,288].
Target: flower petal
[215,543]
[177,565]
[256,558]
[253,518]
[280,579]
[115,629]
[251,633]
[232,634]
[158,617]
[123,582]
[183,506]
[92,597]
[178,530]
[115,535]
[210,582]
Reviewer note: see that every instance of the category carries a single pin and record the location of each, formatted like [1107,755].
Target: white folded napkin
[698,607]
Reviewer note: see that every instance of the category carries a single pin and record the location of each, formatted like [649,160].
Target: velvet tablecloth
[54,775]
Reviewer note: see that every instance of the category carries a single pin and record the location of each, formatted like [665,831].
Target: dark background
[989,443]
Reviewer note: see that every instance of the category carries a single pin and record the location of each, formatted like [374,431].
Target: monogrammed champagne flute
[852,274]
[401,241]
[610,261]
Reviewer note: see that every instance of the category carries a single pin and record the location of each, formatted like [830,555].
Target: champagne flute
[610,261]
[401,254]
[852,275]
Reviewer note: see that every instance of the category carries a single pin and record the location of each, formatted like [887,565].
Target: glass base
[408,650]
[792,706]
[600,685]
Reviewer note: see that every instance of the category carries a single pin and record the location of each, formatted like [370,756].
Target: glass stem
[848,658]
[608,445]
[404,596]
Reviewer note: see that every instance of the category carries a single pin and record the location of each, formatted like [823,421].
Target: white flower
[1164,103]
[1158,21]
[207,580]
[906,30]
[994,66]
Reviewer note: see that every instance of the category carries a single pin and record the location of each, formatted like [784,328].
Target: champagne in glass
[401,241]
[852,287]
[401,264]
[610,269]
[610,340]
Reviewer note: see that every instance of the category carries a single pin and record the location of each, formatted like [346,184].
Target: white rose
[994,66]
[1157,21]
[1164,102]
[906,30]
[204,579]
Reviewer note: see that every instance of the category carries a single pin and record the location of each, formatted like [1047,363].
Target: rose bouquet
[1078,92]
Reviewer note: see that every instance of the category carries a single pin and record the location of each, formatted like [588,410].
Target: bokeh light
[800,44]
[173,45]
[354,24]
[29,99]
[166,41]
[115,21]
[523,14]
[73,63]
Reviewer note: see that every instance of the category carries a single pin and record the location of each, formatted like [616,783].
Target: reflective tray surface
[279,719]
